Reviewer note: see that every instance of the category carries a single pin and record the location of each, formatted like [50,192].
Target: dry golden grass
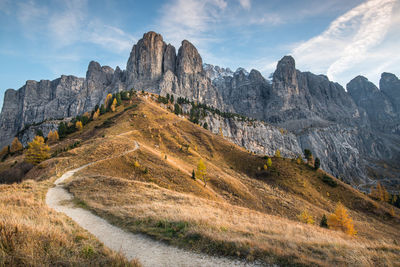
[243,211]
[31,234]
[145,207]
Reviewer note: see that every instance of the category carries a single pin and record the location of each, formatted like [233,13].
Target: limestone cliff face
[256,136]
[375,103]
[145,65]
[300,100]
[244,93]
[348,131]
[390,85]
[154,66]
[66,96]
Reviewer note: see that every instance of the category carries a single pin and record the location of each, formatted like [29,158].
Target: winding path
[149,252]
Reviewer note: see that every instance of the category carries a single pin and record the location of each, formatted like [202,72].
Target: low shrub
[329,181]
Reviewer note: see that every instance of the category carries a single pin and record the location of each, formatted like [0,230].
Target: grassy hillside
[244,211]
[31,234]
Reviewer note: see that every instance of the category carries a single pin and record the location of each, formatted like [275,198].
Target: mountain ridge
[336,125]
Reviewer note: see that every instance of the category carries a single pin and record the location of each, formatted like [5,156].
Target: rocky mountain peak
[387,77]
[152,36]
[255,75]
[241,71]
[93,66]
[189,60]
[97,73]
[374,102]
[145,63]
[286,71]
[360,87]
[216,72]
[390,85]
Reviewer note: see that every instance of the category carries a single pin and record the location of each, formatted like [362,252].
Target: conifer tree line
[197,110]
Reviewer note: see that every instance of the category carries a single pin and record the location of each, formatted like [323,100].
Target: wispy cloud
[110,37]
[70,24]
[246,4]
[31,17]
[349,40]
[66,24]
[266,19]
[190,19]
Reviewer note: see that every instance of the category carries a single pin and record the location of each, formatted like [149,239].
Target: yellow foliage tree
[380,193]
[108,100]
[16,146]
[304,217]
[269,162]
[114,105]
[96,114]
[37,151]
[79,125]
[202,172]
[277,153]
[391,212]
[136,164]
[220,132]
[340,220]
[3,152]
[265,167]
[53,137]
[299,160]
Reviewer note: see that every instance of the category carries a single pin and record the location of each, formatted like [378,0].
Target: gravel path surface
[149,252]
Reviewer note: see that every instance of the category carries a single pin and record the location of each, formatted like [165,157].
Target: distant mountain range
[356,134]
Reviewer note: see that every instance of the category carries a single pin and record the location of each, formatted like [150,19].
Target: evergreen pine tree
[62,129]
[317,163]
[118,97]
[324,222]
[102,109]
[308,154]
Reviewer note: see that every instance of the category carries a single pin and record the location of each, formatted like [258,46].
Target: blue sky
[339,38]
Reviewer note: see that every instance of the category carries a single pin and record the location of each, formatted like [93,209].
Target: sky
[42,39]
